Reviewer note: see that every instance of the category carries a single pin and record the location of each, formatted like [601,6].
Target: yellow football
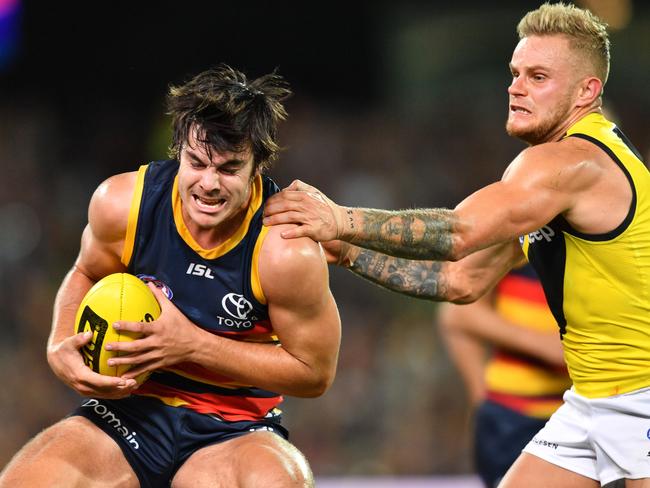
[119,296]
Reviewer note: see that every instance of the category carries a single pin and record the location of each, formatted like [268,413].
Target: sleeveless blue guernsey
[217,289]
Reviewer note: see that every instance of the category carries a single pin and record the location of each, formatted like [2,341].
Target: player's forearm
[419,279]
[70,294]
[266,366]
[411,234]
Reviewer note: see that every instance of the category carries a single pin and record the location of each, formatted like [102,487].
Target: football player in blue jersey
[246,318]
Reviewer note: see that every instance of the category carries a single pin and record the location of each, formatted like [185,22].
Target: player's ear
[590,89]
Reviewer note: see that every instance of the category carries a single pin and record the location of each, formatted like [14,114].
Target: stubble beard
[542,131]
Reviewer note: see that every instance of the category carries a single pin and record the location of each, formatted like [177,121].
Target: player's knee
[280,465]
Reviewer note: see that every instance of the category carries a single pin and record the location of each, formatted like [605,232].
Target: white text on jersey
[199,270]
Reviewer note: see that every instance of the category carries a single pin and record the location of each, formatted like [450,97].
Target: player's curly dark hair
[229,112]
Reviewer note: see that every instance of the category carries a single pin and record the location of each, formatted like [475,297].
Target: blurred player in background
[235,331]
[576,203]
[521,384]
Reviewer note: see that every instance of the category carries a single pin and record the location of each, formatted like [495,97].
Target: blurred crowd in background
[394,107]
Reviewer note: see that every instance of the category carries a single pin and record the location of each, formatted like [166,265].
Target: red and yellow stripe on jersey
[520,382]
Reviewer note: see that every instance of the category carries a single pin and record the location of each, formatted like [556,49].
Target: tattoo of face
[421,279]
[413,234]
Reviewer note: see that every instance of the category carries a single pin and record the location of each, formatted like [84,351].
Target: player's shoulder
[111,202]
[115,187]
[565,152]
[291,267]
[290,253]
[557,160]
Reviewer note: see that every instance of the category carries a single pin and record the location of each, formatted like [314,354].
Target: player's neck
[570,121]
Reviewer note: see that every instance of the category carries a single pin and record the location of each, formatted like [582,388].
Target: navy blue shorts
[157,439]
[499,436]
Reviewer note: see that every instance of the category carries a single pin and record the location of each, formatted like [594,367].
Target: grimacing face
[543,90]
[214,192]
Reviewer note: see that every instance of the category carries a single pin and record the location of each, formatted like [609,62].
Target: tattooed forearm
[420,279]
[412,234]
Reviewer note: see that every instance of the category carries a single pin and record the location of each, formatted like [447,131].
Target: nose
[210,181]
[517,86]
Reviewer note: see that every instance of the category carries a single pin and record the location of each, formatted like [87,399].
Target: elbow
[459,249]
[463,284]
[462,292]
[315,391]
[316,386]
[321,385]
[469,296]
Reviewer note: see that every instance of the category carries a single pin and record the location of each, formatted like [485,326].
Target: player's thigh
[258,459]
[641,483]
[533,472]
[71,453]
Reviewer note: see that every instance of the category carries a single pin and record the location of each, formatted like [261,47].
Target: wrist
[349,256]
[347,228]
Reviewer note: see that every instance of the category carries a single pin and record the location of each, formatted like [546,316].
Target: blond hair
[586,32]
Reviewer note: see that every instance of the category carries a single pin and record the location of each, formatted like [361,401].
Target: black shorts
[499,436]
[157,439]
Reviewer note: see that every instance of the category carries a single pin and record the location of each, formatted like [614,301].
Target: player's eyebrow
[534,67]
[199,158]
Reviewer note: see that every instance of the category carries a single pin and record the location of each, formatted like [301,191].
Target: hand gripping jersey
[598,286]
[517,381]
[217,289]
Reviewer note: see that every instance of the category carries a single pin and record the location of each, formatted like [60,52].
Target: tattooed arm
[542,182]
[461,281]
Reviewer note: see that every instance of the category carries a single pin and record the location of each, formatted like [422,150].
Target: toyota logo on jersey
[236,306]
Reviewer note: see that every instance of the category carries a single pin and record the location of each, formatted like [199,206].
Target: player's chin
[519,131]
[207,220]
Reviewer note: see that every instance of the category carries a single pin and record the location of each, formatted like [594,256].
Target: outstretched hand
[317,216]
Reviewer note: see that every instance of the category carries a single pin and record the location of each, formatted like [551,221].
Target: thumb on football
[81,339]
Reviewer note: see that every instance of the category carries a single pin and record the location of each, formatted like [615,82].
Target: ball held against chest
[119,296]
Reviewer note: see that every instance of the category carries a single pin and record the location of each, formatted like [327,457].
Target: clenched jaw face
[544,88]
[214,191]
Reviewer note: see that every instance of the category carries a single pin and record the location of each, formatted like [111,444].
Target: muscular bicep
[301,307]
[541,183]
[503,211]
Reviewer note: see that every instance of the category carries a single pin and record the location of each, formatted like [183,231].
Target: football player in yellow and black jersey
[576,202]
[246,316]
